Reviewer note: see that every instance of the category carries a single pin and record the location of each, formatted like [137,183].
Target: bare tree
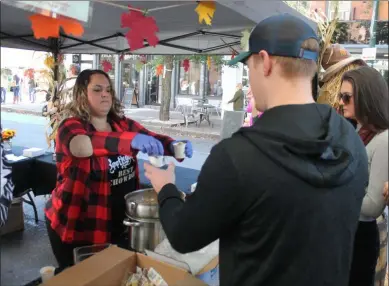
[164,111]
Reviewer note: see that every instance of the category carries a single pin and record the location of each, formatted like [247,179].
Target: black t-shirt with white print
[121,174]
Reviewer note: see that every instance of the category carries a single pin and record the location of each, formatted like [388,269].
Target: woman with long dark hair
[364,96]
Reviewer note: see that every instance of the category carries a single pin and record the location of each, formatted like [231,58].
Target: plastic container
[84,252]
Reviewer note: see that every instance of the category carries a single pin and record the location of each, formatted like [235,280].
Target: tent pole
[54,46]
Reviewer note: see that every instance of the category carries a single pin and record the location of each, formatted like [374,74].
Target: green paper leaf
[138,66]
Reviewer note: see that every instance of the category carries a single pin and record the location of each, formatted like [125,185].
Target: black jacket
[283,196]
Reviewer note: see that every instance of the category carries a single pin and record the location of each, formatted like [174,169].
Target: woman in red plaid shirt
[96,150]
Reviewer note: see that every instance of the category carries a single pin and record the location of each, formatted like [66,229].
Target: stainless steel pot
[144,235]
[145,229]
[142,204]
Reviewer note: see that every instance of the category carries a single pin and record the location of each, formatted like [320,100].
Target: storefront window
[189,82]
[130,81]
[214,75]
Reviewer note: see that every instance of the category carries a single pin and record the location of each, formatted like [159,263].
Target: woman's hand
[159,177]
[386,193]
[147,144]
[188,147]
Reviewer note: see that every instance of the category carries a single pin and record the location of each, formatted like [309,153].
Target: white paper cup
[179,150]
[156,161]
[47,272]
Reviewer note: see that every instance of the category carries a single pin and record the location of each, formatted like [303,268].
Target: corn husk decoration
[58,91]
[326,29]
[209,62]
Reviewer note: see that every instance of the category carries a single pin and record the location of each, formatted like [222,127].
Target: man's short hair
[298,67]
[292,42]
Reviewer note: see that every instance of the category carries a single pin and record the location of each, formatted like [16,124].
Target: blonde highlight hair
[79,106]
[296,67]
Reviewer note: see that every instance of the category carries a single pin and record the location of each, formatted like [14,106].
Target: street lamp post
[373,26]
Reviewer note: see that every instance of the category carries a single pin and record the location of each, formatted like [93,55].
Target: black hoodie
[283,197]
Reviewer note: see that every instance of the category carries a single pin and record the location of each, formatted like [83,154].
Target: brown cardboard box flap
[210,266]
[110,266]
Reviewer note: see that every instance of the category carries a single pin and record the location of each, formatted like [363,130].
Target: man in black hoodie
[284,195]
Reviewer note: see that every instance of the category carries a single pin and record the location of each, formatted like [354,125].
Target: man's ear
[267,64]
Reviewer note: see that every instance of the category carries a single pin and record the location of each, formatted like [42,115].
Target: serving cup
[47,272]
[179,150]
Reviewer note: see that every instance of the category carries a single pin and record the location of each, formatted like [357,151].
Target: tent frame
[55,47]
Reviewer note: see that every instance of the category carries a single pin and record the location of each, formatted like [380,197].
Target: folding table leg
[33,207]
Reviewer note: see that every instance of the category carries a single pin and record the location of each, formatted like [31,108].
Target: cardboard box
[110,266]
[15,221]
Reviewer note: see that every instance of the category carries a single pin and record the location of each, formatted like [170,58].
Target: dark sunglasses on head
[345,97]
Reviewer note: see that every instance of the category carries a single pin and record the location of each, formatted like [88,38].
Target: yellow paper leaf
[209,62]
[206,10]
[244,41]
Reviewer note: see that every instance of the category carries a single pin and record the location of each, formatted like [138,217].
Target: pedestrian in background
[31,89]
[238,98]
[4,87]
[16,89]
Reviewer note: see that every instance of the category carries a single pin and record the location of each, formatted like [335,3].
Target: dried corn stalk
[58,93]
[326,29]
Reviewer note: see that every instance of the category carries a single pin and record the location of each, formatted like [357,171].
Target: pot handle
[132,207]
[126,222]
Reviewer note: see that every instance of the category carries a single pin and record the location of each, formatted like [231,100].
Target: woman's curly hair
[79,106]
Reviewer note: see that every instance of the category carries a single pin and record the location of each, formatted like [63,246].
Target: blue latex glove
[188,147]
[147,144]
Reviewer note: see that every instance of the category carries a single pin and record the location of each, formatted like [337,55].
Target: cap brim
[241,58]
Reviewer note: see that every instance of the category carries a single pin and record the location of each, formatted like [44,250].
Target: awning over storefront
[180,31]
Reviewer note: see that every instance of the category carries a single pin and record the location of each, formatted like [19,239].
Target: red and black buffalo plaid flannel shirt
[79,210]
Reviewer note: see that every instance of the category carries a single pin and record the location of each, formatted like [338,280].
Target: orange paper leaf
[71,26]
[206,10]
[45,27]
[159,70]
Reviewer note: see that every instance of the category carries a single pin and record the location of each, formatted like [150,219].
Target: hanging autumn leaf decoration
[244,41]
[159,70]
[46,27]
[138,66]
[209,62]
[233,56]
[49,62]
[29,73]
[186,64]
[121,57]
[141,28]
[107,65]
[206,10]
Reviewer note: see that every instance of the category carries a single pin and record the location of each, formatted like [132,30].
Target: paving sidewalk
[147,116]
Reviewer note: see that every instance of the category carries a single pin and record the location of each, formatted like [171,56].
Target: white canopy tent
[179,29]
